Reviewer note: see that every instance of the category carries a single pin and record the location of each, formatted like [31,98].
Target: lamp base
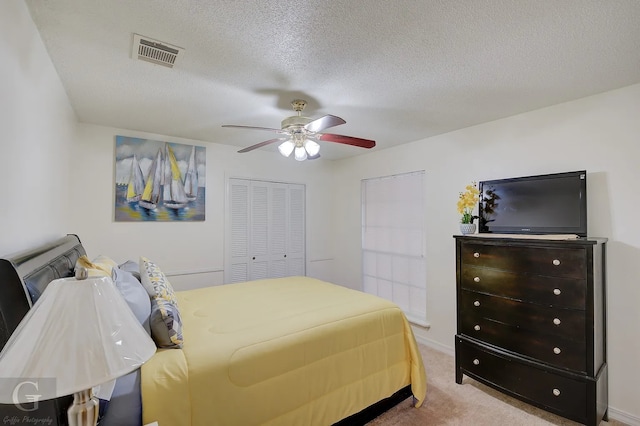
[84,410]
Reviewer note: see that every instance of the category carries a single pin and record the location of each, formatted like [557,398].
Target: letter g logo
[29,397]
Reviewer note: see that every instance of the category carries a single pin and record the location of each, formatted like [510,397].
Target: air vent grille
[154,51]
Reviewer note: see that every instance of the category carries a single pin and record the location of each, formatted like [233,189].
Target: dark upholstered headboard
[23,278]
[25,275]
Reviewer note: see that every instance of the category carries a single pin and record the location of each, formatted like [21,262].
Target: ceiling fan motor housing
[295,122]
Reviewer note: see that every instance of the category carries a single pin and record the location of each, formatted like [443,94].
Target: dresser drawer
[563,395]
[549,291]
[549,261]
[557,351]
[565,323]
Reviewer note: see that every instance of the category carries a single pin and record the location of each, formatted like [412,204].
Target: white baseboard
[623,417]
[195,278]
[434,345]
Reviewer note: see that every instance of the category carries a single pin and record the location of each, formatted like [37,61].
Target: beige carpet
[470,403]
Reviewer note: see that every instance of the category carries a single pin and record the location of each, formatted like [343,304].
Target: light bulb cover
[312,148]
[300,153]
[286,148]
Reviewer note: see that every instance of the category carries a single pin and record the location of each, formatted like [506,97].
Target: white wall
[600,134]
[180,247]
[37,125]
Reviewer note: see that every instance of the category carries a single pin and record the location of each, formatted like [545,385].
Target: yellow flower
[467,202]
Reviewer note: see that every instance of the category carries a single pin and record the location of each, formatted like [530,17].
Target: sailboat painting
[159,181]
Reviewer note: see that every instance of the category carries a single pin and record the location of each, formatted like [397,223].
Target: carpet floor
[470,403]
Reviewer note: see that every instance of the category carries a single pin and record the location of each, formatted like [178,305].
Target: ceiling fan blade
[259,145]
[254,128]
[325,122]
[348,140]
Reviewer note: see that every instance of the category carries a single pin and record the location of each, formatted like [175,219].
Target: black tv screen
[543,204]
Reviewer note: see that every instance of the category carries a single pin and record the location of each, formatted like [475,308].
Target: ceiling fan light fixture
[312,148]
[286,147]
[300,153]
[303,134]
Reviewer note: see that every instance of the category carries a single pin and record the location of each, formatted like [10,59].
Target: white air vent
[154,51]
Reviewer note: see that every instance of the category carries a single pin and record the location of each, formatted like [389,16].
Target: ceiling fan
[302,134]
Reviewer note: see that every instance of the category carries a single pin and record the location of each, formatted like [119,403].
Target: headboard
[23,278]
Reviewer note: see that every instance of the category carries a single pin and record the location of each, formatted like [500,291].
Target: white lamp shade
[312,148]
[300,153]
[286,148]
[80,332]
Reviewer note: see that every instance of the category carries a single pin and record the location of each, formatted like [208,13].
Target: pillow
[105,261]
[155,282]
[165,321]
[166,325]
[118,404]
[101,266]
[135,295]
[131,266]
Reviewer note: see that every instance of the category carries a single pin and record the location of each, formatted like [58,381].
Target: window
[393,263]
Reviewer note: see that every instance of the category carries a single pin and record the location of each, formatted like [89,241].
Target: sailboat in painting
[174,195]
[151,194]
[136,182]
[191,177]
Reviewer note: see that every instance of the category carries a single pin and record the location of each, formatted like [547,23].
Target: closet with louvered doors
[265,230]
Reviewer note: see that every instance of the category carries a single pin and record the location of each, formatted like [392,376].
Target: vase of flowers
[466,203]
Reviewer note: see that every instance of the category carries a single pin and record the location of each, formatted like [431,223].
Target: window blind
[393,241]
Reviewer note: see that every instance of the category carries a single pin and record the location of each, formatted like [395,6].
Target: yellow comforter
[290,351]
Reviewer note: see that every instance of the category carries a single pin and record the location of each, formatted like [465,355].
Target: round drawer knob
[476,303]
[476,327]
[556,321]
[556,392]
[476,254]
[556,351]
[556,262]
[557,291]
[476,361]
[476,279]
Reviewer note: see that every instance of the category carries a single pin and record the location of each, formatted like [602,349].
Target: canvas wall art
[159,181]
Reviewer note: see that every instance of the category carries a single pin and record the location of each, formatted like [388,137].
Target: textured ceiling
[396,71]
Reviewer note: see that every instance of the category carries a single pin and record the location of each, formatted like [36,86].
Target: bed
[282,351]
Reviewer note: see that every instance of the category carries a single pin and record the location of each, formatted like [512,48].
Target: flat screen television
[543,204]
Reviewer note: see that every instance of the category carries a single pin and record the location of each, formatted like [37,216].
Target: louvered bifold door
[238,234]
[278,231]
[296,241]
[259,236]
[265,230]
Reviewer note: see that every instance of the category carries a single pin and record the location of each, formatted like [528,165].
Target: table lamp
[81,333]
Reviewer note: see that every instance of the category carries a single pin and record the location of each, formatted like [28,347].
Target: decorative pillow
[155,282]
[166,325]
[105,262]
[135,295]
[101,266]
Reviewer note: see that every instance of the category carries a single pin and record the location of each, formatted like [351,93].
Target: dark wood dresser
[531,321]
